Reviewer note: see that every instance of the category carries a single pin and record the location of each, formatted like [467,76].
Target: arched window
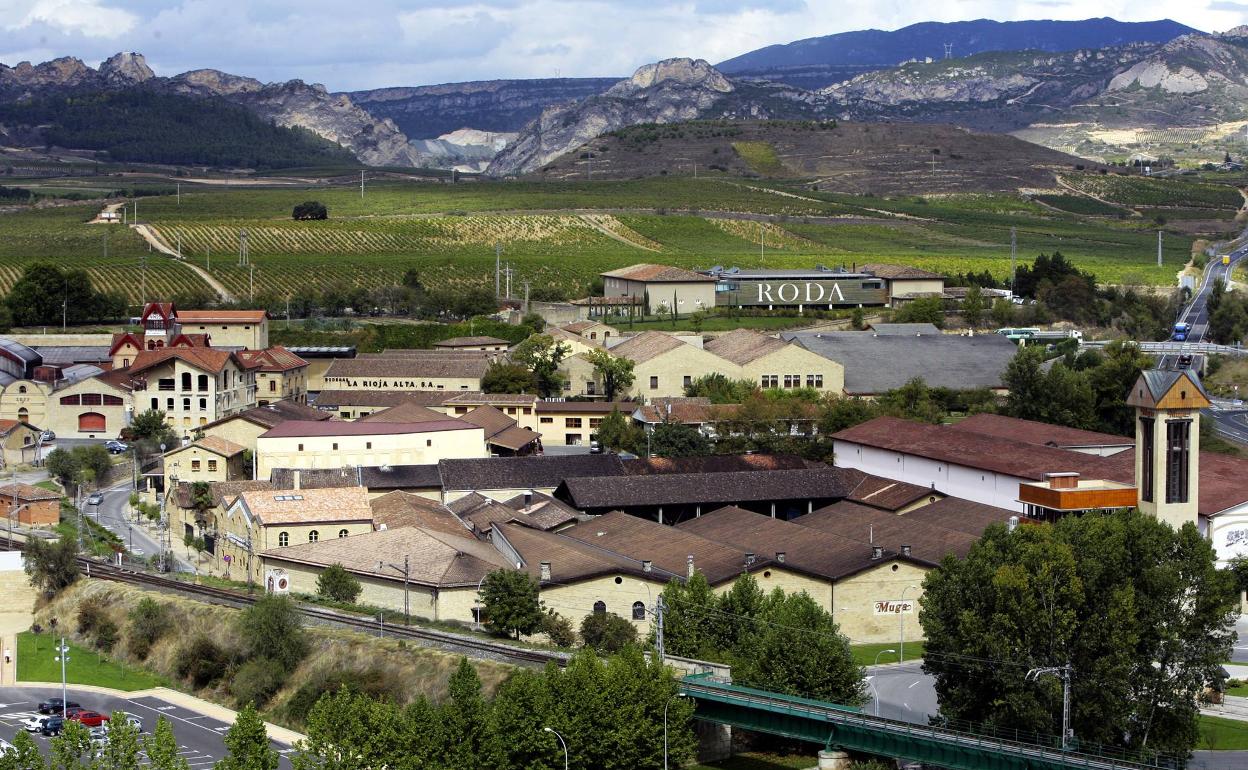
[186,380]
[23,415]
[639,611]
[202,383]
[283,539]
[313,536]
[600,607]
[22,389]
[342,533]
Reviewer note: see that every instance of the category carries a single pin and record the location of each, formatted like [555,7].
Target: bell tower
[1167,444]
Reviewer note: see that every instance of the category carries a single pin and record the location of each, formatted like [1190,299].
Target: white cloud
[85,17]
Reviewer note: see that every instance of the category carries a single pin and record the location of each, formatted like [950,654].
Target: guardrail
[1179,348]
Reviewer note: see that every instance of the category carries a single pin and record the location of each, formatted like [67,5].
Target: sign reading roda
[888,607]
[856,291]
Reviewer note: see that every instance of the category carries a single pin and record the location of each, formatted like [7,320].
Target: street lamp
[875,694]
[881,652]
[63,656]
[406,570]
[480,583]
[562,742]
[1062,673]
[665,705]
[901,624]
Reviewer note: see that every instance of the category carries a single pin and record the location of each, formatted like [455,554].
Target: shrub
[607,632]
[310,210]
[106,634]
[272,628]
[201,661]
[257,680]
[90,615]
[336,583]
[558,629]
[373,683]
[149,621]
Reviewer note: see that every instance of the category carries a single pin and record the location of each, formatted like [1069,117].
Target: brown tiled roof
[465,342]
[545,514]
[927,541]
[576,327]
[1221,479]
[205,359]
[571,407]
[903,272]
[307,506]
[1038,433]
[405,412]
[686,411]
[728,488]
[515,438]
[646,466]
[469,502]
[744,345]
[826,554]
[570,559]
[404,509]
[887,494]
[547,511]
[413,368]
[7,426]
[974,450]
[223,492]
[214,444]
[506,399]
[435,558]
[668,547]
[959,514]
[499,428]
[116,378]
[563,334]
[27,492]
[646,346]
[338,398]
[295,428]
[221,316]
[657,274]
[542,472]
[276,413]
[275,359]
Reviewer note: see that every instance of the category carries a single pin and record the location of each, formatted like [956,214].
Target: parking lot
[200,738]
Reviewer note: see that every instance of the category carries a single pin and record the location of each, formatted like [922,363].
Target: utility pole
[179,193]
[361,184]
[1063,673]
[143,284]
[105,244]
[1013,256]
[287,311]
[406,571]
[760,240]
[1158,248]
[526,297]
[62,655]
[498,255]
[179,245]
[659,608]
[243,257]
[253,281]
[208,255]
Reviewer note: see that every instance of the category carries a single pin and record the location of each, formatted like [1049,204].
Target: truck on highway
[1031,334]
[1181,330]
[1226,259]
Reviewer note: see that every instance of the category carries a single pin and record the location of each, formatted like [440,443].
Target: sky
[360,44]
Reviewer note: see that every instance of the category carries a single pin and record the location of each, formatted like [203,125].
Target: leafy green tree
[615,372]
[93,461]
[542,356]
[1003,312]
[151,425]
[463,718]
[273,628]
[310,210]
[348,730]
[1238,567]
[149,621]
[123,747]
[558,629]
[510,601]
[607,632]
[1060,395]
[914,401]
[720,389]
[689,622]
[162,748]
[673,439]
[857,320]
[25,754]
[72,749]
[247,744]
[840,413]
[52,566]
[503,377]
[64,467]
[44,292]
[1136,608]
[923,310]
[973,306]
[516,718]
[620,433]
[336,583]
[1111,381]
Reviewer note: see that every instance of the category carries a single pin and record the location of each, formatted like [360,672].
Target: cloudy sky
[356,44]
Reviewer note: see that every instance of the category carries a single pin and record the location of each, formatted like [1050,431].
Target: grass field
[865,654]
[562,234]
[1218,734]
[36,663]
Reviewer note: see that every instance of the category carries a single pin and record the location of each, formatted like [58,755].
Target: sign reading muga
[903,607]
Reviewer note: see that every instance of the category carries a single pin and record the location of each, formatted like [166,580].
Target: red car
[89,718]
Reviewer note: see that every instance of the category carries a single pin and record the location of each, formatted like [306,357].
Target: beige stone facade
[208,459]
[795,367]
[96,407]
[228,328]
[385,444]
[192,394]
[662,376]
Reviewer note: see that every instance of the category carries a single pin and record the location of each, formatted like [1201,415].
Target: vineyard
[1080,204]
[1152,191]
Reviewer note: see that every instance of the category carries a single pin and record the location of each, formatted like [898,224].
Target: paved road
[199,737]
[904,691]
[114,514]
[1197,312]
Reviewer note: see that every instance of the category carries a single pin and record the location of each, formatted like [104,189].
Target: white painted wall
[1228,531]
[981,486]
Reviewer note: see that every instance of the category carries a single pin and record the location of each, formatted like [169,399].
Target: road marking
[912,684]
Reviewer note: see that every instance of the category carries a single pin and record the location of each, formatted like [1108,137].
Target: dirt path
[109,208]
[593,221]
[150,235]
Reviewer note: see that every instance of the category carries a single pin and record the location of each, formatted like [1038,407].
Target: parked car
[134,720]
[34,724]
[95,498]
[99,736]
[116,447]
[55,705]
[89,718]
[47,436]
[53,726]
[6,747]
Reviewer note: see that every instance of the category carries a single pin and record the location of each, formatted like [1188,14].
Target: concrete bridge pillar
[833,760]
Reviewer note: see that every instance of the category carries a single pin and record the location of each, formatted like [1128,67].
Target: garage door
[90,422]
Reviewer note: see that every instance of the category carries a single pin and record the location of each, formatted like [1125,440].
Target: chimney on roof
[1069,480]
[545,570]
[749,558]
[528,499]
[297,479]
[780,557]
[1012,523]
[689,565]
[905,550]
[877,552]
[647,565]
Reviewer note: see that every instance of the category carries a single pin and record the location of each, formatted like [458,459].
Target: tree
[463,718]
[64,467]
[25,754]
[44,295]
[149,621]
[1060,395]
[1003,313]
[510,601]
[720,389]
[273,628]
[923,310]
[310,210]
[72,749]
[1111,380]
[52,566]
[336,583]
[542,355]
[973,306]
[516,738]
[674,439]
[689,621]
[1136,608]
[121,752]
[348,730]
[607,632]
[620,433]
[248,744]
[503,377]
[615,372]
[162,748]
[94,463]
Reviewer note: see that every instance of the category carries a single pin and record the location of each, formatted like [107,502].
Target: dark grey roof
[73,354]
[1160,381]
[547,471]
[903,330]
[323,351]
[708,488]
[371,477]
[874,364]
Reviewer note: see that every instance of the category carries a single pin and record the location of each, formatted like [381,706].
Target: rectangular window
[594,422]
[1178,449]
[814,381]
[186,404]
[335,446]
[572,422]
[112,401]
[771,381]
[573,439]
[155,404]
[301,447]
[212,465]
[654,382]
[547,420]
[1147,425]
[195,465]
[91,399]
[169,404]
[687,380]
[792,381]
[272,386]
[368,445]
[203,404]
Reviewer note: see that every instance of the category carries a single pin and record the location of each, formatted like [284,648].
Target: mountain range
[1064,84]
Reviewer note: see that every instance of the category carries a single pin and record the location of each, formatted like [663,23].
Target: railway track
[428,637]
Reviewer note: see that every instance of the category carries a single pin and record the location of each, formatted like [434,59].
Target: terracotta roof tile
[647,466]
[744,345]
[1038,433]
[307,506]
[466,342]
[275,359]
[337,398]
[221,316]
[406,411]
[894,272]
[728,488]
[214,444]
[868,526]
[27,492]
[570,559]
[205,359]
[404,509]
[544,472]
[658,274]
[646,346]
[274,414]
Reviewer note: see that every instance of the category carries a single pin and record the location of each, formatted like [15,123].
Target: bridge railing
[1207,348]
[963,734]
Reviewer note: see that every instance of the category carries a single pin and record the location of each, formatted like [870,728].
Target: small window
[272,386]
[212,465]
[335,446]
[428,442]
[654,382]
[639,611]
[301,447]
[313,536]
[687,380]
[203,404]
[547,420]
[600,607]
[283,539]
[572,422]
[22,389]
[342,533]
[195,465]
[368,445]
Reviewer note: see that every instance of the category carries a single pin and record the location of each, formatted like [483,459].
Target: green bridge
[844,727]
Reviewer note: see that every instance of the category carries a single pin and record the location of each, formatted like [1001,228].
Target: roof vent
[528,499]
[877,552]
[545,570]
[905,550]
[780,557]
[647,565]
[749,558]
